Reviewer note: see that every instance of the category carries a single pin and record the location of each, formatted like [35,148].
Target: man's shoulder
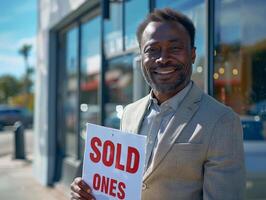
[207,103]
[136,104]
[216,108]
[132,115]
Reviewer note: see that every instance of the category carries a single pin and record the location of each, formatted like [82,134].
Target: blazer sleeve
[224,169]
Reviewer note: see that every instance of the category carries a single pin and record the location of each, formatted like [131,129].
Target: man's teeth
[165,71]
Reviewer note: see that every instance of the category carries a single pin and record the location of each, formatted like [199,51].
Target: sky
[18,26]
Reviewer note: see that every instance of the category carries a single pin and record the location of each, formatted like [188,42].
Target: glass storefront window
[196,11]
[70,90]
[113,39]
[90,74]
[119,84]
[240,62]
[135,12]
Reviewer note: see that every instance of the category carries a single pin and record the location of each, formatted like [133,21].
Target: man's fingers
[75,195]
[84,186]
[79,196]
[77,180]
[80,190]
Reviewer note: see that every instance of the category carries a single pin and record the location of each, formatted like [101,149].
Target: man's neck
[162,97]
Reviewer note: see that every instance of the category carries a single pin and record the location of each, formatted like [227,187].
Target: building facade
[89,69]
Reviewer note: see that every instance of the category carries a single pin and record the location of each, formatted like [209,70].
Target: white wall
[51,12]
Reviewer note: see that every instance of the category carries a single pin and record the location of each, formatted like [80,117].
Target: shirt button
[144,186]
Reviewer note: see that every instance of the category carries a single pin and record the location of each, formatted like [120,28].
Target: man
[195,147]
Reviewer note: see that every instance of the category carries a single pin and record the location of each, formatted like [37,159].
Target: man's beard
[164,87]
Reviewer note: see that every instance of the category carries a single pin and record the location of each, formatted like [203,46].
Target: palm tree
[25,51]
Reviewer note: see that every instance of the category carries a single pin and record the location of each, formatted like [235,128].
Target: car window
[13,112]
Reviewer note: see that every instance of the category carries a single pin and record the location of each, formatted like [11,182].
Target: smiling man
[194,143]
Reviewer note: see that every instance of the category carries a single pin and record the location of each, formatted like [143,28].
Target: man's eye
[176,48]
[151,50]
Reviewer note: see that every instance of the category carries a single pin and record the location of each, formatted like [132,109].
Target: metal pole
[19,141]
[210,45]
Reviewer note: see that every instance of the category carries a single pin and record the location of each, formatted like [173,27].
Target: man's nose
[163,58]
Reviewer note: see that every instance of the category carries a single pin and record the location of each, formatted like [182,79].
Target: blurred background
[67,62]
[17,61]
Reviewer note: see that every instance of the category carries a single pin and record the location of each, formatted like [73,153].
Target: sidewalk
[17,182]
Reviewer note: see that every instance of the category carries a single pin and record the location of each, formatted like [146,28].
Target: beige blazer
[200,156]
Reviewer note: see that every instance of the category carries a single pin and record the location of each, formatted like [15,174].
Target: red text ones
[110,155]
[109,186]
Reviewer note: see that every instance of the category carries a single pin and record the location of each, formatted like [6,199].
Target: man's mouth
[164,71]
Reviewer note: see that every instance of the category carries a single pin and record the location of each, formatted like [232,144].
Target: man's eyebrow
[172,40]
[151,43]
[176,40]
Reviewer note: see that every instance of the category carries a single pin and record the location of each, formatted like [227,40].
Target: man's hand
[81,190]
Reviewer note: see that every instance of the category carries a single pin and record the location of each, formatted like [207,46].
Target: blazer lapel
[182,117]
[138,115]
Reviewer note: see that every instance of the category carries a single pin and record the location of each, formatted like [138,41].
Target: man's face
[167,56]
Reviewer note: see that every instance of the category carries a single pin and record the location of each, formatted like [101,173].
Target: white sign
[113,163]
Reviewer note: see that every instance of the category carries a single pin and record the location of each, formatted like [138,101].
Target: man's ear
[193,54]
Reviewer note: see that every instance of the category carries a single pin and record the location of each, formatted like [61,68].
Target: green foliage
[22,100]
[9,86]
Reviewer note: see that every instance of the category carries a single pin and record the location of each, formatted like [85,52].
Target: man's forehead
[162,30]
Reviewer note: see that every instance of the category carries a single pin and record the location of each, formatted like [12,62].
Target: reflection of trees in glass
[135,12]
[119,80]
[113,30]
[69,88]
[119,83]
[90,72]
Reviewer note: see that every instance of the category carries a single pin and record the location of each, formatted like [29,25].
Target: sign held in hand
[113,163]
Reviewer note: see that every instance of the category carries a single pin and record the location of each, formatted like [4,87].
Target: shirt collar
[174,101]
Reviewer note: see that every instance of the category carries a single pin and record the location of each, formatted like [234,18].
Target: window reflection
[240,62]
[89,75]
[119,85]
[113,41]
[195,10]
[70,89]
[135,12]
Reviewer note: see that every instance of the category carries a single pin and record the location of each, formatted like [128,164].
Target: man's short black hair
[168,15]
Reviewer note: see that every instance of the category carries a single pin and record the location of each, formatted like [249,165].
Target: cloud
[7,41]
[15,32]
[9,44]
[11,65]
[10,61]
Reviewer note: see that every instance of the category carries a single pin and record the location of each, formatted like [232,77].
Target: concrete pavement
[7,141]
[16,176]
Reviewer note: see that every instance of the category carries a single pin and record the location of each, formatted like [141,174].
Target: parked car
[259,108]
[10,115]
[255,157]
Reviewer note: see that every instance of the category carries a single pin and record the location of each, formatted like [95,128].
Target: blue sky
[18,25]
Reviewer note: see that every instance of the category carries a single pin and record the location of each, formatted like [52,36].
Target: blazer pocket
[189,160]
